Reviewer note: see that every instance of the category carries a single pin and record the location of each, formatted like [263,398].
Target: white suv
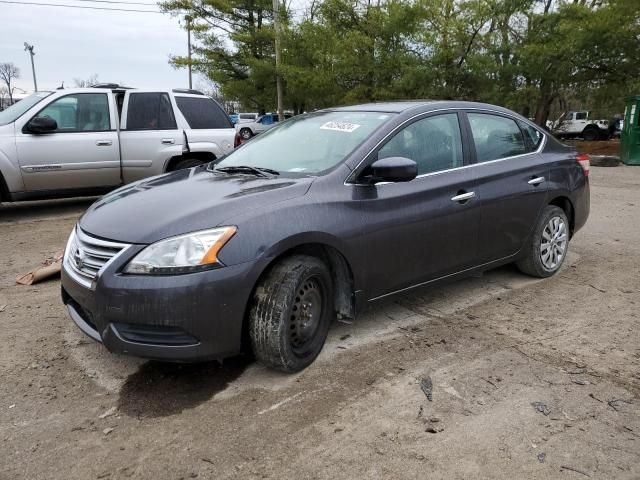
[90,140]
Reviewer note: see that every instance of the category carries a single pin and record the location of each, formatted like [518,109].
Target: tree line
[533,56]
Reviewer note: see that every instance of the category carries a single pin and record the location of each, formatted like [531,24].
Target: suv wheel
[246,133]
[291,312]
[548,246]
[591,134]
[187,163]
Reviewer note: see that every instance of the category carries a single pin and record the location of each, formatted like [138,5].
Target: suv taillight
[583,160]
[237,141]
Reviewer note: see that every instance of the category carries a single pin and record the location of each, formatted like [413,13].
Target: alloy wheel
[553,245]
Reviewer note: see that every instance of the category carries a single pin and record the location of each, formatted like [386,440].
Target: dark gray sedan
[314,220]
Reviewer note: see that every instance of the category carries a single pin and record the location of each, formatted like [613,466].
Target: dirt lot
[531,379]
[605,147]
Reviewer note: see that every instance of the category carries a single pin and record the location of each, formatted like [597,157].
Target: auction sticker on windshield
[340,126]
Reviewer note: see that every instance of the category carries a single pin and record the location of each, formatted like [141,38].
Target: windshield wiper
[258,171]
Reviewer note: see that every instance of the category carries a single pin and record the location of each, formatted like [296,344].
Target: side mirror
[41,125]
[392,169]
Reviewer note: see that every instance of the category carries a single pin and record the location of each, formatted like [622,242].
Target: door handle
[104,143]
[167,141]
[536,181]
[463,197]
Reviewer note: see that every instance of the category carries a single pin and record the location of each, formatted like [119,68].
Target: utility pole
[189,50]
[29,48]
[276,29]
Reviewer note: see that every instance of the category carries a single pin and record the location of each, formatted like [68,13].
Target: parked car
[91,140]
[578,124]
[260,124]
[317,218]
[242,117]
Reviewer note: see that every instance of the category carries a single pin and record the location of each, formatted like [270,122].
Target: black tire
[591,134]
[287,333]
[187,163]
[532,262]
[246,133]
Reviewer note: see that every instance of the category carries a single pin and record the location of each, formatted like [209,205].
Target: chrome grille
[86,256]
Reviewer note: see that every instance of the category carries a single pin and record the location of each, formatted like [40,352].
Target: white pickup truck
[87,141]
[578,124]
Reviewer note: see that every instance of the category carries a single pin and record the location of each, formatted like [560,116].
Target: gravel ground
[530,379]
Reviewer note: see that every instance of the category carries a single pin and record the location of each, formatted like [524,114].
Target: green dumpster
[630,136]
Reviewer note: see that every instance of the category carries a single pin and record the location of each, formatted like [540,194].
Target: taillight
[583,160]
[237,141]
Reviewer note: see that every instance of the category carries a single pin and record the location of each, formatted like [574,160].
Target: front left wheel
[291,312]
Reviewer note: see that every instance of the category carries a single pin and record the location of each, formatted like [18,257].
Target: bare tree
[8,73]
[81,83]
[3,100]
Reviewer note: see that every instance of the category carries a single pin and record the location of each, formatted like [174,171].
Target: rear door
[149,134]
[210,129]
[512,182]
[81,153]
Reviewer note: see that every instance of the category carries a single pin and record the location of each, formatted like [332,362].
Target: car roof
[420,105]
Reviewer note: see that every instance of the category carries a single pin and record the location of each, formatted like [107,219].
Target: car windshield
[308,144]
[12,113]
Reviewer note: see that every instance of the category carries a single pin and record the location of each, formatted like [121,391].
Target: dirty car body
[484,178]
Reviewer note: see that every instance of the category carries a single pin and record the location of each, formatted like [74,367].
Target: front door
[426,228]
[512,182]
[81,153]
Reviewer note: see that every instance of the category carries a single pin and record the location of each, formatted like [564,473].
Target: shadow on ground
[34,210]
[160,389]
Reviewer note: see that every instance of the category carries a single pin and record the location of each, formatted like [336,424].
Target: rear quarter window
[203,113]
[532,136]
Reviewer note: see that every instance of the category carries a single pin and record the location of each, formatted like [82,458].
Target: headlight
[188,253]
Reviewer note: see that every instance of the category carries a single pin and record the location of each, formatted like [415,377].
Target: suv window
[495,137]
[581,115]
[81,112]
[532,136]
[202,113]
[434,143]
[150,111]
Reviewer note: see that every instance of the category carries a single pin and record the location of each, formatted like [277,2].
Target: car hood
[183,201]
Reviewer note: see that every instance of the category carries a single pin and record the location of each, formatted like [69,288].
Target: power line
[80,6]
[114,1]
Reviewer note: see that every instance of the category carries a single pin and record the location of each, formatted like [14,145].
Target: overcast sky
[127,47]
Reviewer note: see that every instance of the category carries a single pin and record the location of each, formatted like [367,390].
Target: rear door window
[150,111]
[202,113]
[495,137]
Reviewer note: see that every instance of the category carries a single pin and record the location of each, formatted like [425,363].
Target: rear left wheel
[548,245]
[291,312]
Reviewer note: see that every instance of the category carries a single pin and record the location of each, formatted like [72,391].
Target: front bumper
[193,317]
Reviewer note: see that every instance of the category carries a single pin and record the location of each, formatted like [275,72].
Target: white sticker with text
[340,126]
